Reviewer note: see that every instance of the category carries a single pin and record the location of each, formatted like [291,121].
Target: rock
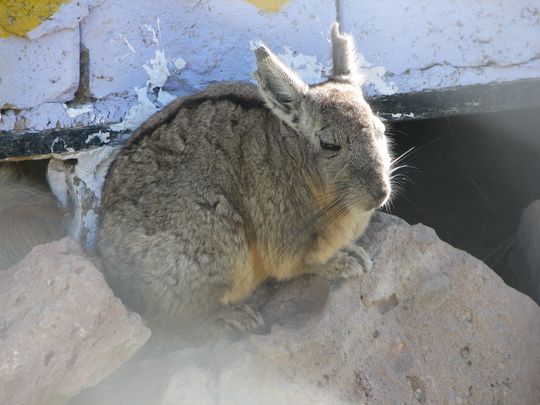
[61,327]
[525,257]
[430,324]
[189,386]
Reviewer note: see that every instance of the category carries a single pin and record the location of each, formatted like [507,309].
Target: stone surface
[444,43]
[525,256]
[61,328]
[202,41]
[42,70]
[68,16]
[430,324]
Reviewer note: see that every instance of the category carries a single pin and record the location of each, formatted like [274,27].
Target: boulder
[430,324]
[61,327]
[525,256]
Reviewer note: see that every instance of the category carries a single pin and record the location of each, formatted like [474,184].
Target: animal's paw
[349,262]
[238,319]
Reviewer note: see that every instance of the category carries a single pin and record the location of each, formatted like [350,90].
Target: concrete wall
[70,63]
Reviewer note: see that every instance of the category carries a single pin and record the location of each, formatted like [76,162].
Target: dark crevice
[471,177]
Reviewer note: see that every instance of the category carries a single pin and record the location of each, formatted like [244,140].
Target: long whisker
[395,169]
[402,156]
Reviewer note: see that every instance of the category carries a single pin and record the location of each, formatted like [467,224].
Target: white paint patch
[44,116]
[91,223]
[165,97]
[104,137]
[58,141]
[81,185]
[7,120]
[307,66]
[179,63]
[75,112]
[128,44]
[374,76]
[402,115]
[138,113]
[151,29]
[158,72]
[313,71]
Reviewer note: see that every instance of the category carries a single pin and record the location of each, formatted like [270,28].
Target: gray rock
[525,256]
[61,327]
[430,324]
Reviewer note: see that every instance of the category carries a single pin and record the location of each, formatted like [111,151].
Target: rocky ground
[61,327]
[429,324]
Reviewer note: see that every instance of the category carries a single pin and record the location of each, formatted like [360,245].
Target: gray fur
[345,67]
[228,187]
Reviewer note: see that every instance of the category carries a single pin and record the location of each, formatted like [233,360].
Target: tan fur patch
[255,268]
[249,273]
[342,231]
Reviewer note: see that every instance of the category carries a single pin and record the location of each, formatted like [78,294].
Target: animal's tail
[29,215]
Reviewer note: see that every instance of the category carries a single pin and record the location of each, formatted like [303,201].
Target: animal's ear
[280,87]
[345,67]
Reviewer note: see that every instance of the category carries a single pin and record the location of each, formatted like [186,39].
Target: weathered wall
[137,55]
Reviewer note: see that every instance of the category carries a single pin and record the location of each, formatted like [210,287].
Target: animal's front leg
[237,319]
[348,262]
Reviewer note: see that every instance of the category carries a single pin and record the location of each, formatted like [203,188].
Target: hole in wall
[29,213]
[471,178]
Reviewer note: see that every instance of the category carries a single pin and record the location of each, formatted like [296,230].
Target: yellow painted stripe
[268,5]
[21,16]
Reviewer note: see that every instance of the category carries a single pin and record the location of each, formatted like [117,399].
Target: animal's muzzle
[380,192]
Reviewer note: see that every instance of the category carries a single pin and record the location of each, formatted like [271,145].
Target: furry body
[226,188]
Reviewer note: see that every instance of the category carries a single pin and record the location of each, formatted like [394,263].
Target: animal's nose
[381,192]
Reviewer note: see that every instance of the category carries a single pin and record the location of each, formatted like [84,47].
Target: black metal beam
[411,106]
[23,144]
[484,98]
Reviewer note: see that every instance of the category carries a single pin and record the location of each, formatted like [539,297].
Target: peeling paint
[158,72]
[75,112]
[18,17]
[104,137]
[307,66]
[374,77]
[83,182]
[164,97]
[7,120]
[60,141]
[138,113]
[179,63]
[59,115]
[402,115]
[270,6]
[128,44]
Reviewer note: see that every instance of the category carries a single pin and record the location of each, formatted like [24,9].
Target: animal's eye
[330,146]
